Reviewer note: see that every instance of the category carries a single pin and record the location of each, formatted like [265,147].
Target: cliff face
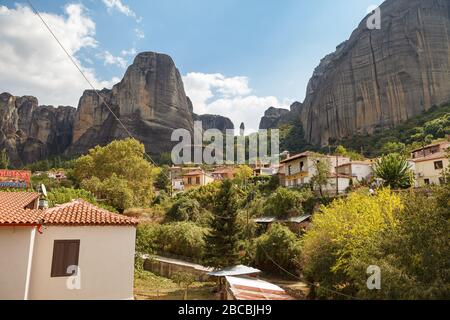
[30,132]
[150,101]
[275,117]
[380,78]
[210,121]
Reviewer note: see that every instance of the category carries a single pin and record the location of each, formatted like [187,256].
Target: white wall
[106,262]
[14,256]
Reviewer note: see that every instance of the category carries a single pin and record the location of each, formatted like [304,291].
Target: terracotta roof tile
[79,212]
[13,208]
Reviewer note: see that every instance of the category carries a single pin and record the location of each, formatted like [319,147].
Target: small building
[178,185]
[226,173]
[299,170]
[429,162]
[196,178]
[73,251]
[358,170]
[248,289]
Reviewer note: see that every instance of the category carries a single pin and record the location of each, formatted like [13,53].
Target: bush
[186,209]
[182,238]
[277,250]
[284,202]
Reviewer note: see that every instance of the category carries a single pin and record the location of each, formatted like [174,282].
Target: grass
[148,286]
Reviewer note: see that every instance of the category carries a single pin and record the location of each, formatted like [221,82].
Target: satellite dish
[43,190]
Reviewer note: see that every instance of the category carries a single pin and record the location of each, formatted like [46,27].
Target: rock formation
[380,78]
[275,117]
[210,121]
[30,132]
[150,101]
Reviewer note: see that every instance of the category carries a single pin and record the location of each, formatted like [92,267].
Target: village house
[196,177]
[429,162]
[72,251]
[299,169]
[225,173]
[358,170]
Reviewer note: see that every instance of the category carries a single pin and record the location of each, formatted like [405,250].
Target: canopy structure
[255,289]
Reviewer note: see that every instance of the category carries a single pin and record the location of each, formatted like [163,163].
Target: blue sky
[266,49]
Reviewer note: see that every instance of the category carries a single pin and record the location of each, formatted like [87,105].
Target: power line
[88,81]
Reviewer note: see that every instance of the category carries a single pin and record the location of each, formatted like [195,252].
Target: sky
[237,57]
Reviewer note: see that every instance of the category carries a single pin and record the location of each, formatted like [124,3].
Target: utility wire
[88,81]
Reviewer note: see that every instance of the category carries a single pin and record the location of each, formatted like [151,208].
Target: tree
[163,182]
[243,174]
[222,241]
[4,159]
[344,233]
[395,171]
[393,147]
[118,173]
[63,195]
[187,209]
[278,251]
[284,202]
[320,178]
[185,280]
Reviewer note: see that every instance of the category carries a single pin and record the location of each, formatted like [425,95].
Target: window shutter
[65,254]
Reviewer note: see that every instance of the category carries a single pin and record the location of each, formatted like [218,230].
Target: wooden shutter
[65,254]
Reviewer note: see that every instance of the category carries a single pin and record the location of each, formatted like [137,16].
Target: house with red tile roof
[72,251]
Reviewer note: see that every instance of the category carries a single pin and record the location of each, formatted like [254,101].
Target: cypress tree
[222,241]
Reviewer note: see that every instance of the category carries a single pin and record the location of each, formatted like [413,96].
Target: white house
[73,251]
[358,170]
[299,170]
[429,162]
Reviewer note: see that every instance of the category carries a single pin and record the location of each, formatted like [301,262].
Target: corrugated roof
[234,271]
[274,219]
[255,289]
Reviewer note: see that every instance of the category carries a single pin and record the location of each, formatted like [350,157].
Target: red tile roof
[80,212]
[13,208]
[76,213]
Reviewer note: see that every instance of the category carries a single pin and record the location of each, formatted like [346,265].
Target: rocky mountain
[30,132]
[150,101]
[210,121]
[275,117]
[380,78]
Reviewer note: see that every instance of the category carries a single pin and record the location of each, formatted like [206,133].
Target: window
[65,254]
[438,165]
[427,181]
[197,180]
[189,180]
[289,170]
[302,164]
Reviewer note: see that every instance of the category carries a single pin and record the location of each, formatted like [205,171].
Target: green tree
[278,251]
[320,178]
[117,173]
[222,242]
[393,147]
[344,233]
[284,202]
[184,280]
[4,159]
[187,209]
[243,174]
[163,182]
[395,171]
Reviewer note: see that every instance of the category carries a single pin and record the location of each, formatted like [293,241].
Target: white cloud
[139,33]
[131,52]
[109,59]
[228,96]
[32,63]
[119,6]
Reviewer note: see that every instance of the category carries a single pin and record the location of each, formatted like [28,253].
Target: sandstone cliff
[380,78]
[150,101]
[275,117]
[30,132]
